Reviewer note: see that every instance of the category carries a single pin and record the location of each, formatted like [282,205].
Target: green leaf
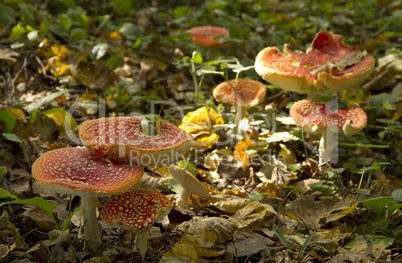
[180,11]
[114,62]
[78,34]
[17,32]
[130,31]
[38,202]
[197,57]
[12,137]
[69,3]
[3,172]
[6,194]
[365,145]
[397,194]
[99,50]
[122,7]
[65,122]
[34,107]
[307,242]
[173,185]
[378,204]
[374,240]
[187,166]
[65,21]
[9,119]
[322,187]
[281,237]
[6,15]
[68,220]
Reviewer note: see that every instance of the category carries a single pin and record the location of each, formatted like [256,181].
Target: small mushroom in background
[137,211]
[315,117]
[76,171]
[212,37]
[189,184]
[328,66]
[122,139]
[243,93]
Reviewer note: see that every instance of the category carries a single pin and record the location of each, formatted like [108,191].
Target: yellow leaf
[18,113]
[240,151]
[181,253]
[63,119]
[88,97]
[201,119]
[207,141]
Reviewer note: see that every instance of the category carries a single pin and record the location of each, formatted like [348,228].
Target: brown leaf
[8,55]
[313,214]
[251,213]
[222,227]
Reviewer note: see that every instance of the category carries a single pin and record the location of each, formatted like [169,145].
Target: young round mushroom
[76,171]
[189,184]
[243,93]
[315,117]
[121,139]
[137,211]
[328,66]
[212,37]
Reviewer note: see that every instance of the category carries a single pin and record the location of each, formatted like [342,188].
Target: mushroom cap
[188,181]
[249,92]
[309,72]
[136,210]
[121,139]
[315,116]
[208,36]
[75,170]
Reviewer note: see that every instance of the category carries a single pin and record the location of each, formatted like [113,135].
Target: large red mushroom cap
[121,139]
[246,92]
[209,36]
[328,66]
[75,170]
[137,210]
[315,116]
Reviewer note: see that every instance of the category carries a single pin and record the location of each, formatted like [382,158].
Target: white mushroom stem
[182,200]
[327,145]
[241,112]
[141,242]
[91,227]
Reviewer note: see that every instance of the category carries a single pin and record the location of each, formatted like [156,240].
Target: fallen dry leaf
[314,214]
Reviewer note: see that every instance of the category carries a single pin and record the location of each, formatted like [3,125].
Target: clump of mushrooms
[122,139]
[76,171]
[243,93]
[315,117]
[137,211]
[328,66]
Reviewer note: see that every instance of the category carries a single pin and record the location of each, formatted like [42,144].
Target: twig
[17,75]
[368,244]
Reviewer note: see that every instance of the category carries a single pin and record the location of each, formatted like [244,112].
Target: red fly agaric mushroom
[211,37]
[328,66]
[189,184]
[243,93]
[76,171]
[208,35]
[137,211]
[121,139]
[315,117]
